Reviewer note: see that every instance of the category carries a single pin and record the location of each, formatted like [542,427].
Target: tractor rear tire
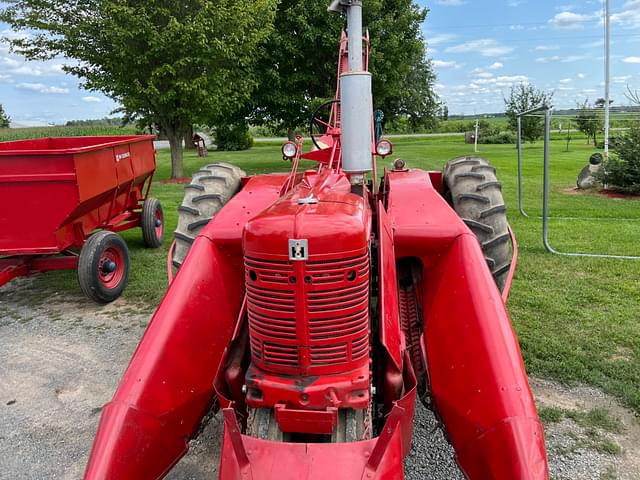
[210,189]
[473,190]
[351,426]
[262,424]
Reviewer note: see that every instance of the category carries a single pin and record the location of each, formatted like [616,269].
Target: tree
[622,170]
[589,121]
[633,96]
[524,97]
[171,63]
[297,67]
[444,112]
[601,102]
[5,120]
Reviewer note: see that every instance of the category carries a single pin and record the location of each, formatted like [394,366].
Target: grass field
[578,319]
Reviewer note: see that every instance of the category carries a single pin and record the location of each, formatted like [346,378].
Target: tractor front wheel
[103,267]
[471,187]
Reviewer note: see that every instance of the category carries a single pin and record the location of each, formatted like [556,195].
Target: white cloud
[557,58]
[634,60]
[581,75]
[42,88]
[630,15]
[39,70]
[9,62]
[495,66]
[570,20]
[451,3]
[502,81]
[487,47]
[546,48]
[443,64]
[513,78]
[91,99]
[439,39]
[566,80]
[623,79]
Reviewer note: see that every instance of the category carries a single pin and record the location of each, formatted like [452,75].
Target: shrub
[233,137]
[273,130]
[622,170]
[485,129]
[613,143]
[500,138]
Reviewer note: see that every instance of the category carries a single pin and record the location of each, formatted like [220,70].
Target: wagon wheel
[103,267]
[321,121]
[473,190]
[152,223]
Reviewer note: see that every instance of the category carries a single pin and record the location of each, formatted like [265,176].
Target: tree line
[224,63]
[588,117]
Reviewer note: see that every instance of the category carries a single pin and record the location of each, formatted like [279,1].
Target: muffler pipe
[356,102]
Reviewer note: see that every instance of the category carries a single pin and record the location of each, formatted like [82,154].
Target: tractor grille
[308,317]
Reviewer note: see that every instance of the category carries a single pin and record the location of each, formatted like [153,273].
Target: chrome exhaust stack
[356,101]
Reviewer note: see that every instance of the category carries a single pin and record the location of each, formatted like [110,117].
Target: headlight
[289,150]
[384,148]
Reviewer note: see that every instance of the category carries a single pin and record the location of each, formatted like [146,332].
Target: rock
[587,178]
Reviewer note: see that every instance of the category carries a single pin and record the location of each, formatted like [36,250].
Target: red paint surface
[55,191]
[239,306]
[478,382]
[309,321]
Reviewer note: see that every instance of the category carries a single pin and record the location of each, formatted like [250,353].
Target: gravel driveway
[61,358]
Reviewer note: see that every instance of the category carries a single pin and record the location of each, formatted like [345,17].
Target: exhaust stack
[356,102]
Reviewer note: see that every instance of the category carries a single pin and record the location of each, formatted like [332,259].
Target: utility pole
[607,74]
[475,146]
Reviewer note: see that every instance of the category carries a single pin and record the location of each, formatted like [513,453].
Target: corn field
[8,134]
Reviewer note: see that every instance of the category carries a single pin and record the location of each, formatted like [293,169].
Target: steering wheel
[319,122]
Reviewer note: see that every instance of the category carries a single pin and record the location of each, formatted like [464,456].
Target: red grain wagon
[63,199]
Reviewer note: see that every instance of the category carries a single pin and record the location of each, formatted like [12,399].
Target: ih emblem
[298,250]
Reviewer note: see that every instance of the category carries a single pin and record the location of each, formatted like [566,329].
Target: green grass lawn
[578,319]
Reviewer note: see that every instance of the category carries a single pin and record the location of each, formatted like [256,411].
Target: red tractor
[313,307]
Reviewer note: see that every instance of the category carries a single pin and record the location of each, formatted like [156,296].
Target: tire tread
[210,189]
[473,190]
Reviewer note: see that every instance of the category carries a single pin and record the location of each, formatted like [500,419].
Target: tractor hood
[321,210]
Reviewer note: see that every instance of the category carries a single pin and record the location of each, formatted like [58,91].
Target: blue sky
[479,48]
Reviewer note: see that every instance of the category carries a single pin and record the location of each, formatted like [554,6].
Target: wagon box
[54,192]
